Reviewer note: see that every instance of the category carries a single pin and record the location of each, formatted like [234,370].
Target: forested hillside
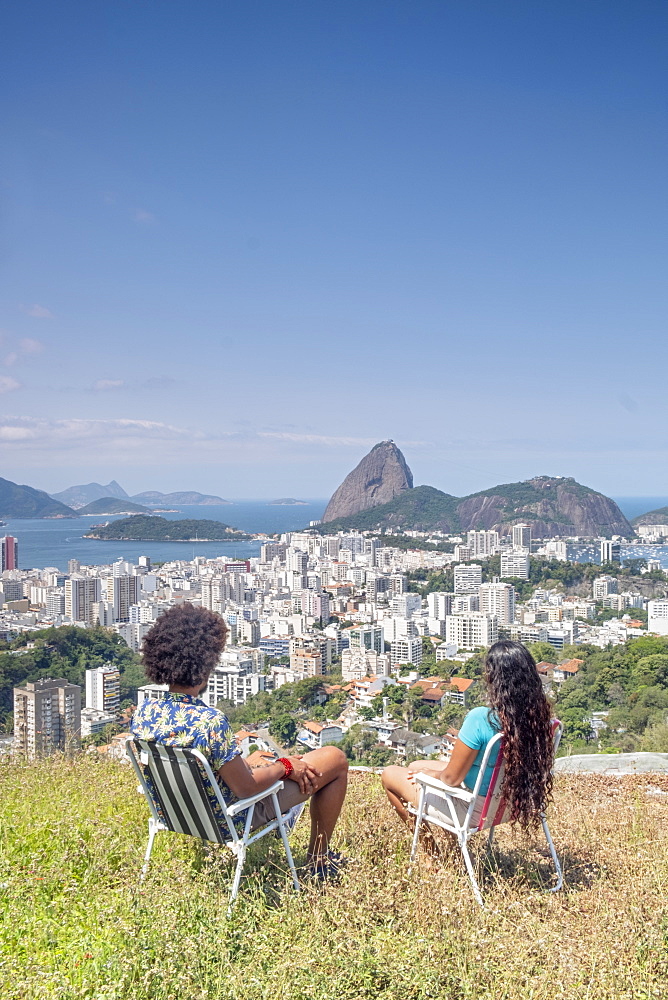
[64,652]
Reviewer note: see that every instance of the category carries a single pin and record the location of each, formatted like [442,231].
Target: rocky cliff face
[379,477]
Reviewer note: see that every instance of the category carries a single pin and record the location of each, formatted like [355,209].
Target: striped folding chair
[464,813]
[173,781]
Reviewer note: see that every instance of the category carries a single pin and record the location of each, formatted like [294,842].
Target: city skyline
[244,244]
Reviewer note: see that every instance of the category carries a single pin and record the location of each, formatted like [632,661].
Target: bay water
[45,542]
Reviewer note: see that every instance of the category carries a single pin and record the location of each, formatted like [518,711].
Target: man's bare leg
[327,799]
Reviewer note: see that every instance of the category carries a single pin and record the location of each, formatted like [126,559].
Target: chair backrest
[175,781]
[491,808]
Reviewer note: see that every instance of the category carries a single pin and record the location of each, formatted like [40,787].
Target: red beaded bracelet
[287,764]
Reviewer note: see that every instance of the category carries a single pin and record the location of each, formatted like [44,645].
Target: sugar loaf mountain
[379,494]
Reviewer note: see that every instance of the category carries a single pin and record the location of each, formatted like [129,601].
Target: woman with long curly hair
[517,706]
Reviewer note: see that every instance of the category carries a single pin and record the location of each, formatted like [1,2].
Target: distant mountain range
[84,494]
[552,505]
[79,496]
[25,501]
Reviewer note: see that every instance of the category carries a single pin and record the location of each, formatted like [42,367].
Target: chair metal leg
[416,833]
[471,873]
[553,852]
[152,830]
[286,844]
[241,859]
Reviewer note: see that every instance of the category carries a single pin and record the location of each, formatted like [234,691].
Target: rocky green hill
[149,528]
[25,501]
[112,505]
[552,505]
[658,516]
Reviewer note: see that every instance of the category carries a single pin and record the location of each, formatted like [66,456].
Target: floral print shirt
[182,720]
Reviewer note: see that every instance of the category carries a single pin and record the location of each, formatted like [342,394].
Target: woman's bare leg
[400,791]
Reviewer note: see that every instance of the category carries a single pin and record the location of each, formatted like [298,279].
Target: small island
[149,528]
[287,502]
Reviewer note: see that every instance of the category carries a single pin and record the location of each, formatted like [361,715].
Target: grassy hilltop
[76,926]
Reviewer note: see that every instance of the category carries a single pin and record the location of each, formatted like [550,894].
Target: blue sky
[242,242]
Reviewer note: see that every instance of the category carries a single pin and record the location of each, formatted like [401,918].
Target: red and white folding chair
[464,813]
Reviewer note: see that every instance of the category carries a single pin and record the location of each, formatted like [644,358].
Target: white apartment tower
[498,599]
[121,591]
[604,586]
[404,651]
[82,593]
[610,551]
[439,605]
[515,564]
[483,543]
[657,617]
[357,663]
[103,688]
[468,578]
[472,630]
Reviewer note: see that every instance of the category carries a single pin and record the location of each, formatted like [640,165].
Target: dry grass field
[75,923]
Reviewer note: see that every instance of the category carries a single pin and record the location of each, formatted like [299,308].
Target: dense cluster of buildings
[308,600]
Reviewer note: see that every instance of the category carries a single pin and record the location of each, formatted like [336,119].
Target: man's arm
[245,781]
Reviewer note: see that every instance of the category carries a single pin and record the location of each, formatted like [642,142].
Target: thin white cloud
[10,359]
[37,311]
[144,217]
[75,431]
[322,439]
[105,384]
[28,345]
[8,384]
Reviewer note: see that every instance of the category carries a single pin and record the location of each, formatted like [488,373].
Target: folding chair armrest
[252,799]
[429,781]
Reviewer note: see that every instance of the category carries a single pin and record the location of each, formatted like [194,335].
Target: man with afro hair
[181,650]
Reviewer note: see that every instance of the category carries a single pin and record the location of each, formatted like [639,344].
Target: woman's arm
[459,764]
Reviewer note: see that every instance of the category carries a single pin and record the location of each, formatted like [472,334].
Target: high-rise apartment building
[483,543]
[47,714]
[103,688]
[468,578]
[81,594]
[367,637]
[522,536]
[121,591]
[296,562]
[403,651]
[9,549]
[498,599]
[657,616]
[471,631]
[439,605]
[515,564]
[306,658]
[603,586]
[12,589]
[610,551]
[406,604]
